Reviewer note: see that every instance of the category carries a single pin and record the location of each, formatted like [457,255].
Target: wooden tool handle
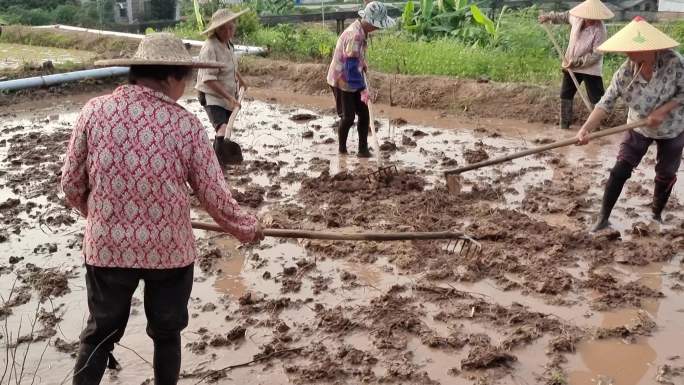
[550,146]
[376,144]
[306,234]
[233,114]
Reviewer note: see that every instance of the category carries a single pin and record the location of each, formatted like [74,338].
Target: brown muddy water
[544,303]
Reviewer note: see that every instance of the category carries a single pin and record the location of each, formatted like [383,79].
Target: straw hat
[593,10]
[161,49]
[221,17]
[638,36]
[375,14]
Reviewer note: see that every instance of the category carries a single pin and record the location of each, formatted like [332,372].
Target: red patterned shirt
[127,164]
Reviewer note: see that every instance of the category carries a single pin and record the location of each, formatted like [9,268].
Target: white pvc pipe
[48,80]
[245,49]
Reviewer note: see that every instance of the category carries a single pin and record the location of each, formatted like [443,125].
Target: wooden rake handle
[340,236]
[550,146]
[233,115]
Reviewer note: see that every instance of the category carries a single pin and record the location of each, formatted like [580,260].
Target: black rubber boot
[618,176]
[566,114]
[364,152]
[90,365]
[218,149]
[343,133]
[661,194]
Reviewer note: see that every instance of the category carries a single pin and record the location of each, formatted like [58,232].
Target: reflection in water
[230,280]
[623,363]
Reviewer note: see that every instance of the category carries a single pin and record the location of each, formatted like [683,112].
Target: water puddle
[353,285]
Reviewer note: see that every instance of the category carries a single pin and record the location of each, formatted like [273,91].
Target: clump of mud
[476,155]
[49,283]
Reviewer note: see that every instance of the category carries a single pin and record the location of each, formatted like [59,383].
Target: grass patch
[47,38]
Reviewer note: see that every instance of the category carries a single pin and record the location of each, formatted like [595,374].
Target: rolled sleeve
[206,179]
[75,170]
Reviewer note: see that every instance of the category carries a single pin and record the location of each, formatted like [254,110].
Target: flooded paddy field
[13,56]
[544,303]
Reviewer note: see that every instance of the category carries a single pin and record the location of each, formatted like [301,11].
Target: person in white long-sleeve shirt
[586,34]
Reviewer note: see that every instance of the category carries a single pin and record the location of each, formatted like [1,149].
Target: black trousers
[110,291]
[593,83]
[349,105]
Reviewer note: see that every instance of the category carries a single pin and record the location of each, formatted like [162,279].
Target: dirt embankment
[465,97]
[471,98]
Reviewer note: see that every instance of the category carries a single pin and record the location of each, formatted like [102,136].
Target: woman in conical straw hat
[218,87]
[345,74]
[586,33]
[651,84]
[130,157]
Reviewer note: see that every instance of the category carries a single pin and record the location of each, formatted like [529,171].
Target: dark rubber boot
[218,149]
[661,194]
[342,139]
[618,176]
[343,133]
[90,365]
[566,114]
[364,153]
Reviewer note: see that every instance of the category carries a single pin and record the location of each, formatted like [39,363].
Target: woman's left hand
[657,117]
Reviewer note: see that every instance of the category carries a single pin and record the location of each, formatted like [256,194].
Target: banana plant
[198,15]
[457,18]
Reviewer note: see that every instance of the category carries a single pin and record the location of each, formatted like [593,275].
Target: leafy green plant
[272,7]
[457,18]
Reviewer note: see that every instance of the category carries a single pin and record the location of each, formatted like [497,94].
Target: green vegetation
[521,51]
[72,12]
[29,36]
[454,39]
[451,18]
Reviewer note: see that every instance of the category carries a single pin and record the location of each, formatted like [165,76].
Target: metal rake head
[464,246]
[383,174]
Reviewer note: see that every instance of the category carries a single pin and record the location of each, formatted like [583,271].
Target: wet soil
[544,302]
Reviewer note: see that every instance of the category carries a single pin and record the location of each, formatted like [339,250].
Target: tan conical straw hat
[593,10]
[638,36]
[160,49]
[221,17]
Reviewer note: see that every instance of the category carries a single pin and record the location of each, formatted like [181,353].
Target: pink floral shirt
[130,156]
[350,44]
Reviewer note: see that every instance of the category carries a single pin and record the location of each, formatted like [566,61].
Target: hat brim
[625,50]
[139,62]
[385,23]
[212,26]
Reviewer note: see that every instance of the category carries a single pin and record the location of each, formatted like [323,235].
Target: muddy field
[544,303]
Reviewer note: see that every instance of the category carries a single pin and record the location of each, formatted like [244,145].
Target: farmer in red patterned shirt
[130,156]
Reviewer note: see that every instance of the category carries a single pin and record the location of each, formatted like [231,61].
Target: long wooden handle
[550,146]
[376,144]
[585,99]
[233,115]
[305,234]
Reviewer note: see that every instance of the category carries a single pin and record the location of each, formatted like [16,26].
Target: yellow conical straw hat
[637,36]
[592,9]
